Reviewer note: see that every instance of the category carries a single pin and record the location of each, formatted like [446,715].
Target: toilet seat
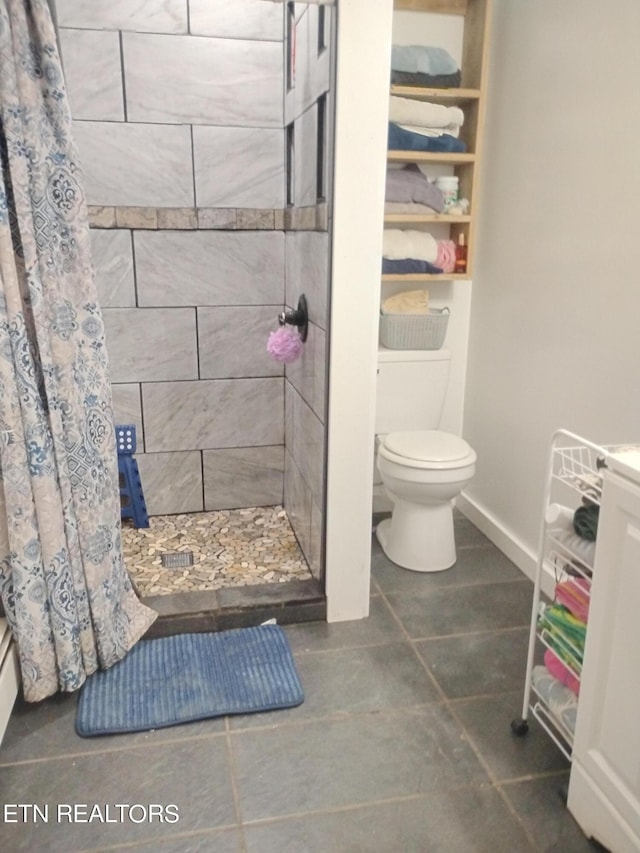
[428,449]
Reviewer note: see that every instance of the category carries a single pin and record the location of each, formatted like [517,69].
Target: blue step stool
[132,503]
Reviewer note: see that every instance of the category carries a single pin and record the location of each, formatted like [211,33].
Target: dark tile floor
[402,744]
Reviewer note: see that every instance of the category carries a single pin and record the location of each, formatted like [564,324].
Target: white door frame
[362,101]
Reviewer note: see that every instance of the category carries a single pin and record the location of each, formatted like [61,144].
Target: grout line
[89,753]
[449,704]
[124,85]
[234,783]
[146,843]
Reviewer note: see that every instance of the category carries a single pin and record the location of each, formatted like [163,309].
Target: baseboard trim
[524,557]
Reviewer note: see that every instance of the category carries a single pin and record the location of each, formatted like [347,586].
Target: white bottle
[448,186]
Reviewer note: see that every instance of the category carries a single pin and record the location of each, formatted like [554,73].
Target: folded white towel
[398,244]
[423,113]
[451,129]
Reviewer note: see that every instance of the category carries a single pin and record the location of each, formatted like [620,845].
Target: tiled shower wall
[179,115]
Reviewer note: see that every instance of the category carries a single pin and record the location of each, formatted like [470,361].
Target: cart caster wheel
[519,727]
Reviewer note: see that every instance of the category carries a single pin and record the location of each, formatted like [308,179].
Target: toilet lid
[427,446]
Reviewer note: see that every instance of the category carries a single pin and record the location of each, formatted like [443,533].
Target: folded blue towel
[400,139]
[431,81]
[405,266]
[424,59]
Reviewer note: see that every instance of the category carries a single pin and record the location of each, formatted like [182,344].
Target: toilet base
[419,537]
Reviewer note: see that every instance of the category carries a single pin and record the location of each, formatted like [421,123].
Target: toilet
[422,468]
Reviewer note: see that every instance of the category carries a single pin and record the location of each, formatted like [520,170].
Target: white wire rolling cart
[573,480]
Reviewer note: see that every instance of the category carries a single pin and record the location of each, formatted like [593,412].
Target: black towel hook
[298,317]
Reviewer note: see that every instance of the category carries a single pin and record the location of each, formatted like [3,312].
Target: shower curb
[237,607]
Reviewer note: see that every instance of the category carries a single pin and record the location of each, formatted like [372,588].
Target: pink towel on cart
[561,672]
[574,594]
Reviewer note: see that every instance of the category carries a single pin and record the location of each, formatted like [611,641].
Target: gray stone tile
[488,723]
[539,804]
[312,69]
[315,553]
[93,75]
[112,254]
[135,164]
[101,217]
[151,344]
[166,16]
[333,763]
[469,820]
[377,629]
[43,730]
[307,446]
[458,610]
[255,219]
[137,217]
[246,476]
[139,775]
[473,566]
[308,373]
[177,268]
[239,166]
[187,79]
[127,409]
[467,534]
[212,414]
[172,482]
[178,217]
[305,157]
[251,19]
[217,217]
[347,681]
[233,341]
[221,841]
[474,664]
[307,254]
[298,502]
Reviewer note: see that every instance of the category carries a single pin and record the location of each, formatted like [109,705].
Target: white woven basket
[414,331]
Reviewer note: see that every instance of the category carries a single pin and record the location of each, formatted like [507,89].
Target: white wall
[556,306]
[360,143]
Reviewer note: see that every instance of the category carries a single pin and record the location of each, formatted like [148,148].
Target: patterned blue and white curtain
[65,589]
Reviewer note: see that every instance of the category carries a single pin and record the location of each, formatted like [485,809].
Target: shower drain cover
[177,560]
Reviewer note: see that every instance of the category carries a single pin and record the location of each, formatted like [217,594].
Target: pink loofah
[284,345]
[446,257]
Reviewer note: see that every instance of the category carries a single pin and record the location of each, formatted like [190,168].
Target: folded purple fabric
[411,185]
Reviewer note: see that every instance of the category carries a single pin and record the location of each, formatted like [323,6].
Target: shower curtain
[64,587]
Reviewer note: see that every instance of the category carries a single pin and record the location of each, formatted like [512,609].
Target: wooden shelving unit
[471,98]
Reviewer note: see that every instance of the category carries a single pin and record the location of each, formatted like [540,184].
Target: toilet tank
[411,389]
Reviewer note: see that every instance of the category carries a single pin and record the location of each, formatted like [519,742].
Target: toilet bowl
[422,471]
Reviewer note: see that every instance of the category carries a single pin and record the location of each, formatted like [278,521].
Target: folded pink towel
[446,257]
[561,672]
[574,594]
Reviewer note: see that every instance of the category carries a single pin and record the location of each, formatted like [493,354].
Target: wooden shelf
[430,157]
[423,276]
[446,96]
[444,7]
[417,218]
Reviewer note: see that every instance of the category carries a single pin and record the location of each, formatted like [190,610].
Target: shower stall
[205,131]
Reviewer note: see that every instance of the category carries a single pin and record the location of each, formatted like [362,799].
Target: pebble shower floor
[236,547]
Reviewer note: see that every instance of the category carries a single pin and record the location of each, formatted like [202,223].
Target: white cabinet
[604,789]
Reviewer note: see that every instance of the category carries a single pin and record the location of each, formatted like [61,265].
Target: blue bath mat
[191,677]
